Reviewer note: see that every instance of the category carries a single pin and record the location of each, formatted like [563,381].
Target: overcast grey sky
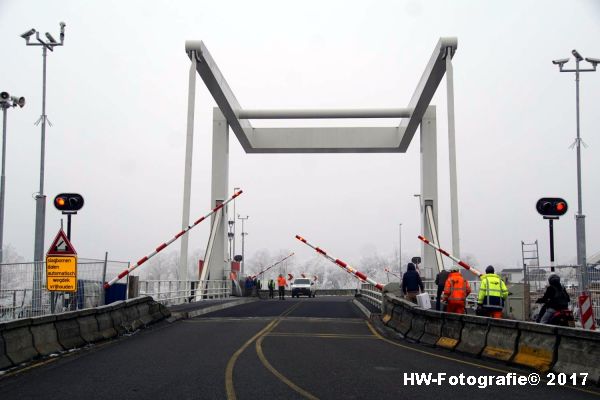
[117,97]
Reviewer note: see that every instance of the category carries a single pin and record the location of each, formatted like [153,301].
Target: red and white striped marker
[277,263]
[587,312]
[290,277]
[342,264]
[393,273]
[164,245]
[444,252]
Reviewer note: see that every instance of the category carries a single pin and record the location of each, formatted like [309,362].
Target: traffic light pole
[551,227]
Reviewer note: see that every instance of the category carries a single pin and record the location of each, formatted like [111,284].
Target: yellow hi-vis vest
[492,292]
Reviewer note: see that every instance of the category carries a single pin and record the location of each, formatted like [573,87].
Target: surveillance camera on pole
[579,216]
[6,101]
[40,199]
[577,55]
[560,61]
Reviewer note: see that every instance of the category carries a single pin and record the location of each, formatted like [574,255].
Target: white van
[303,286]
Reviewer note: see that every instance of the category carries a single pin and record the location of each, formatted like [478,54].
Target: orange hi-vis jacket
[456,289]
[281,281]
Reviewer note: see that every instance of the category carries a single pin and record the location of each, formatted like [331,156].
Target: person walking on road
[271,286]
[492,294]
[281,283]
[440,281]
[412,284]
[456,291]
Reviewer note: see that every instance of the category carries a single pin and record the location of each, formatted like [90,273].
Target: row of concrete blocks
[27,339]
[540,347]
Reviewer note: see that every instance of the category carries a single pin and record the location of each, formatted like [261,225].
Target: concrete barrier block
[88,328]
[106,328]
[154,310]
[451,331]
[18,341]
[45,338]
[67,329]
[396,318]
[119,320]
[433,327]
[132,320]
[474,334]
[578,352]
[4,360]
[501,340]
[536,346]
[164,310]
[417,326]
[144,313]
[405,320]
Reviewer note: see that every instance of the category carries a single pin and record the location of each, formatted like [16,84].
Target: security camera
[50,38]
[28,33]
[18,101]
[577,55]
[62,25]
[4,95]
[560,61]
[591,60]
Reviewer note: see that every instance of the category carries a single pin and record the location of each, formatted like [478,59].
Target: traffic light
[68,202]
[551,206]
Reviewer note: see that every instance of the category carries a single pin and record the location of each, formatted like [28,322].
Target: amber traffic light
[68,202]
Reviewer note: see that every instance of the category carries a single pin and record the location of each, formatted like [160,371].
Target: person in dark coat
[440,281]
[555,299]
[411,283]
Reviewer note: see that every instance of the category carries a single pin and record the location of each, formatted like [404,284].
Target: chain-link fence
[23,290]
[536,278]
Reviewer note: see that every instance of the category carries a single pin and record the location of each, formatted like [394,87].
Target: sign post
[61,265]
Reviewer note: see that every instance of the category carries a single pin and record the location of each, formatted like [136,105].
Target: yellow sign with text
[61,273]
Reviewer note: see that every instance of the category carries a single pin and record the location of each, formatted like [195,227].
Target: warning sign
[61,273]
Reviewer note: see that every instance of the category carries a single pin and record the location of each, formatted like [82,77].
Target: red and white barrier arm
[444,252]
[342,264]
[268,268]
[393,273]
[164,245]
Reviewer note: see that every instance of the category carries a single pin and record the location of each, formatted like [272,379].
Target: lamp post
[400,250]
[579,217]
[244,233]
[235,190]
[6,101]
[40,198]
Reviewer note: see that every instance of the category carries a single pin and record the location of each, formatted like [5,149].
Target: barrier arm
[164,245]
[268,268]
[393,273]
[444,252]
[359,275]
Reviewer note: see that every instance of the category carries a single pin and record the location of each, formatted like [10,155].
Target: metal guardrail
[371,294]
[169,292]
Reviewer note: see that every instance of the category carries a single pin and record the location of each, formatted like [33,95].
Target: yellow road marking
[503,371]
[229,387]
[280,376]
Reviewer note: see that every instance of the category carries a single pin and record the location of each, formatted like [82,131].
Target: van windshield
[302,282]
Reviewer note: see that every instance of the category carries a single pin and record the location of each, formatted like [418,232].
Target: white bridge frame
[394,139]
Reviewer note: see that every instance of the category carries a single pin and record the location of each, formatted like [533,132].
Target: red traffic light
[68,202]
[551,206]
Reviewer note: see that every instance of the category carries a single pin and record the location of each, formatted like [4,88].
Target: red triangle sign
[61,245]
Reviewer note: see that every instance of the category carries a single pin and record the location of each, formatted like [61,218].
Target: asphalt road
[294,349]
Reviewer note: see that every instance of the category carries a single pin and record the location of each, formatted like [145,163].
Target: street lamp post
[235,190]
[6,101]
[579,217]
[244,233]
[40,198]
[400,250]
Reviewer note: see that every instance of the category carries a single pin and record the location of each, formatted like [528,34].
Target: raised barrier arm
[164,245]
[359,275]
[444,252]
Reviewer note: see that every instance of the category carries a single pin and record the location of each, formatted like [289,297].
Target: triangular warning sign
[61,245]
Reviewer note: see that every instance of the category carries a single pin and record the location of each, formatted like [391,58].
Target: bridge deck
[292,349]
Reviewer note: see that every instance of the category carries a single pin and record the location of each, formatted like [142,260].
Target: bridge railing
[169,292]
[371,294]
